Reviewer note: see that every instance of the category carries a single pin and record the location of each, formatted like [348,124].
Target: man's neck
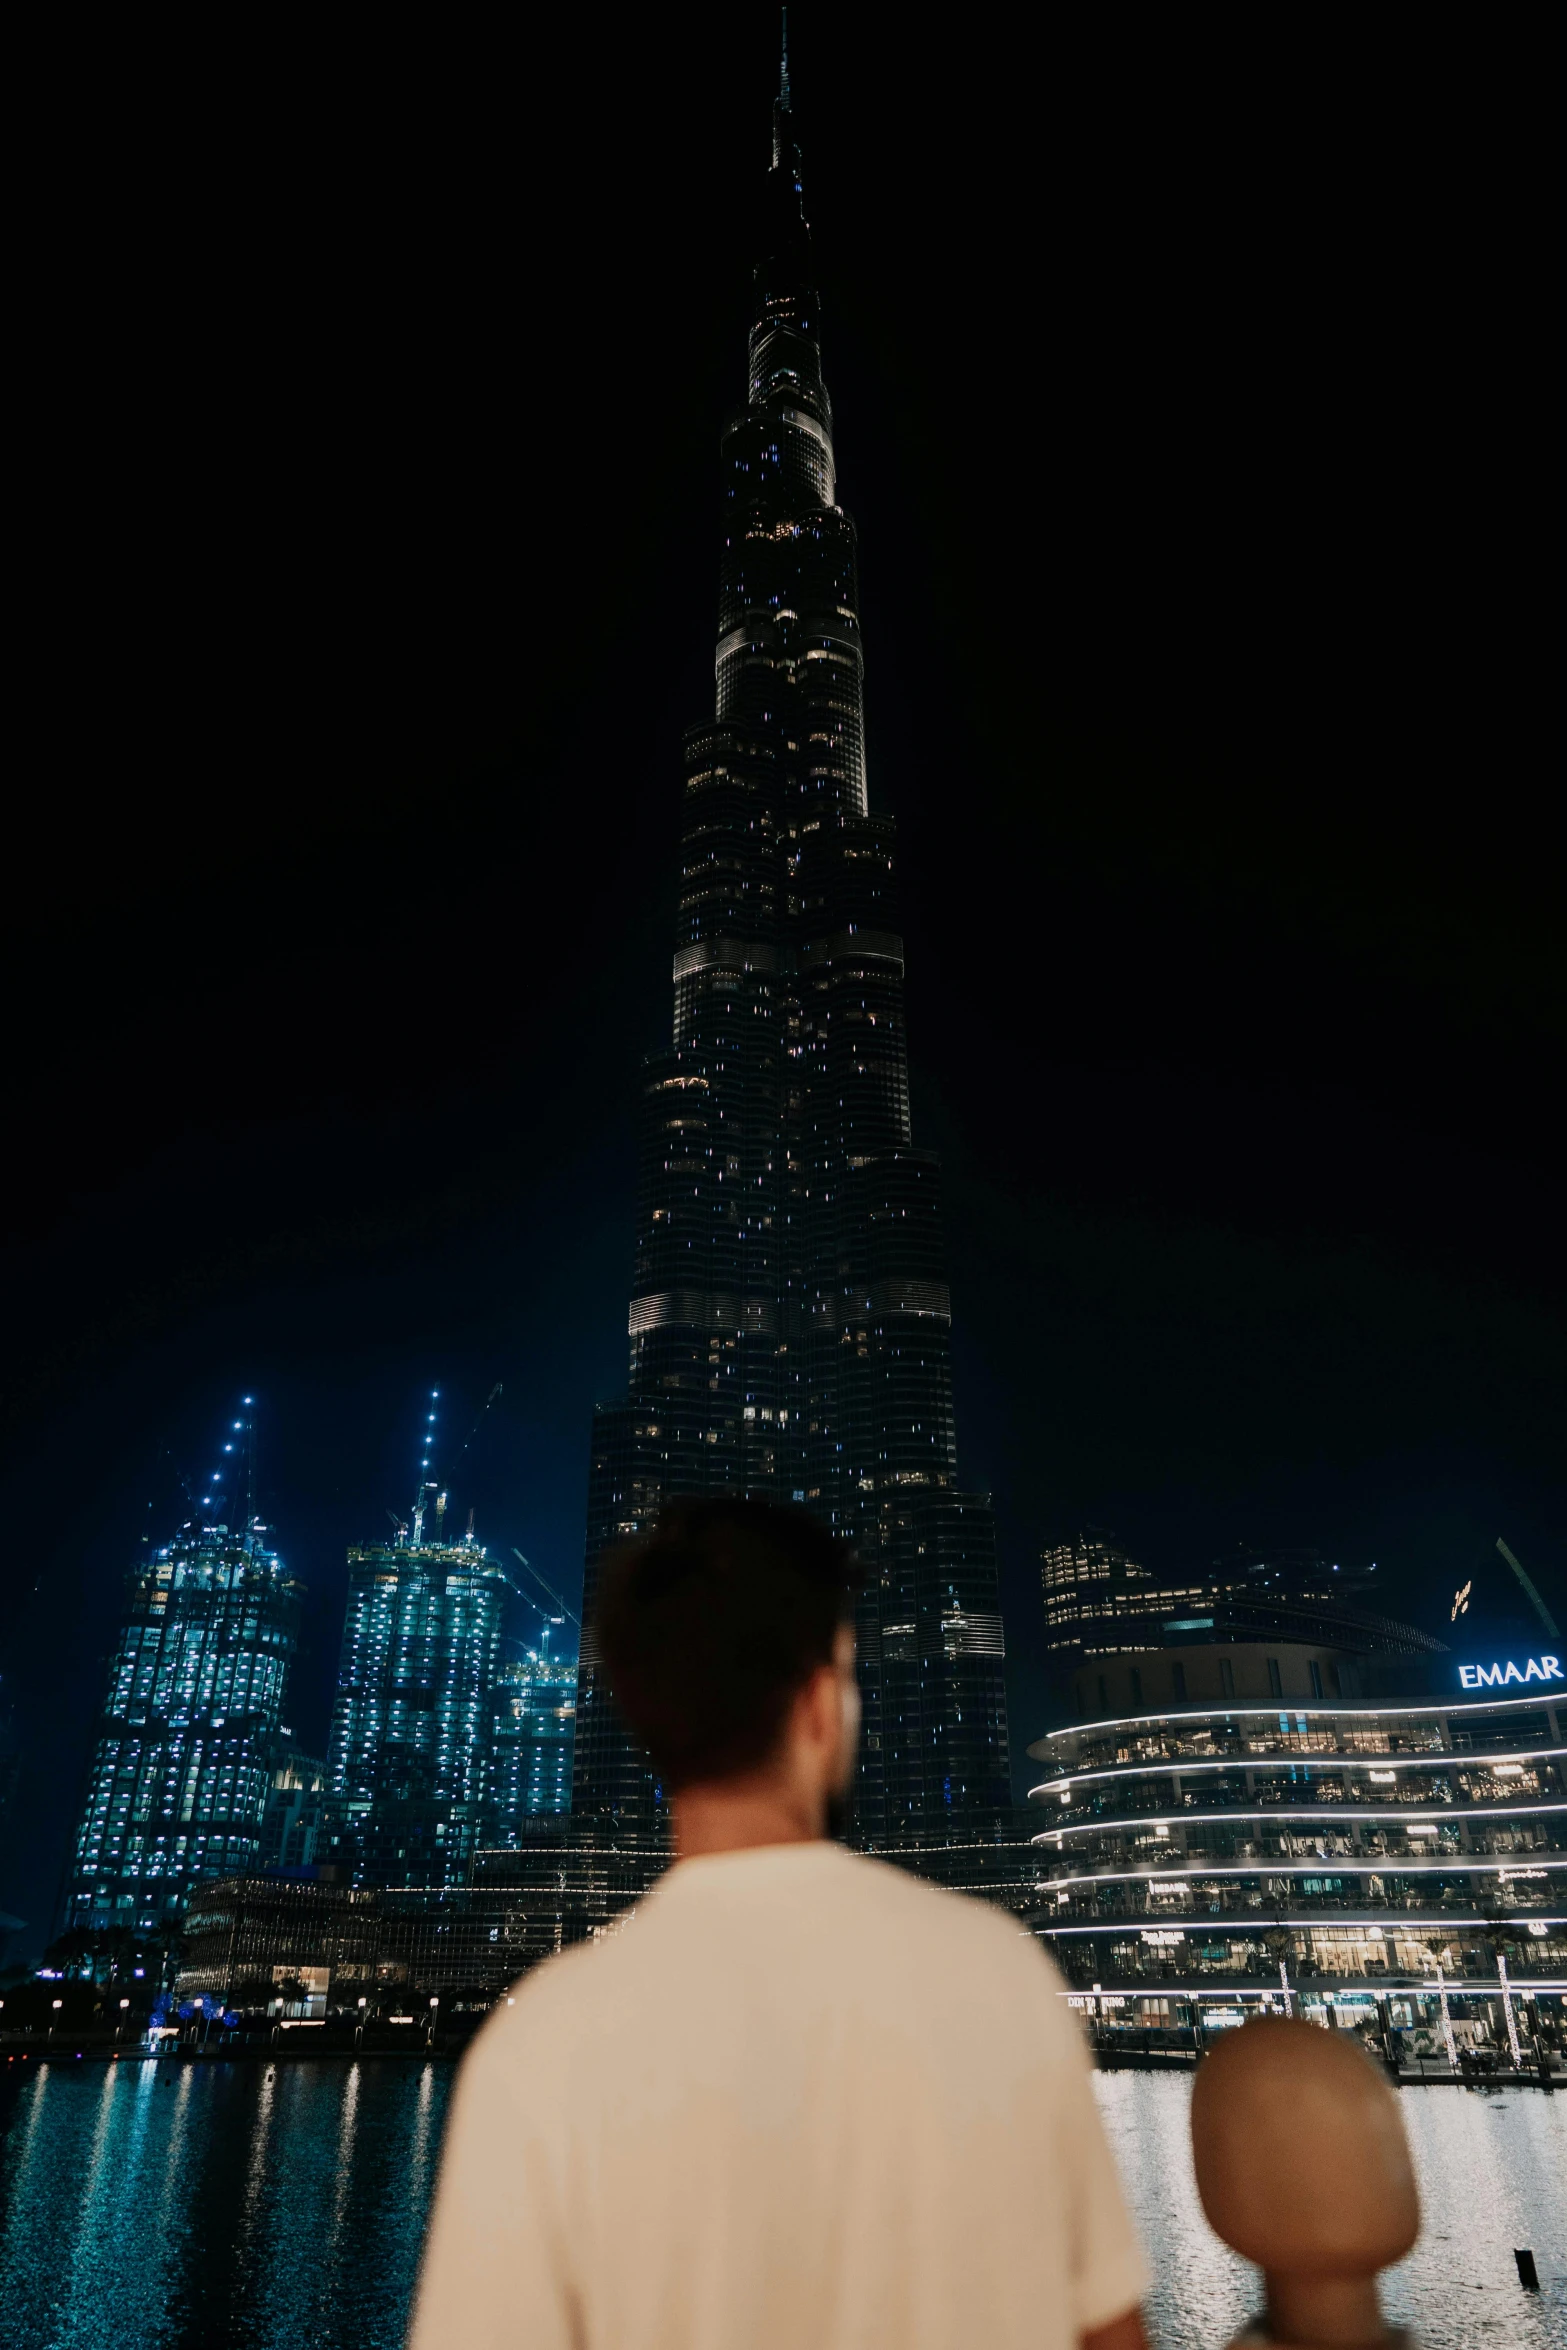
[737,1815]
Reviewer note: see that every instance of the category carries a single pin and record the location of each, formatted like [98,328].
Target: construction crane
[545,1587]
[1535,1601]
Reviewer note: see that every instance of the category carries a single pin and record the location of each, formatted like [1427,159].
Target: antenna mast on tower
[426,1483]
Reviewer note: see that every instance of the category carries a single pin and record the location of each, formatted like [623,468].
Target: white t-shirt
[799,2100]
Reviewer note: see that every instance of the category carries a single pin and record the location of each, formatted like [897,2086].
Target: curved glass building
[1402,1865]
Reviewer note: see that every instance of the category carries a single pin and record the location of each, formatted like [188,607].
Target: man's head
[726,1637]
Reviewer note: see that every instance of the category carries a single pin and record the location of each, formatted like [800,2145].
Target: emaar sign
[1535,1668]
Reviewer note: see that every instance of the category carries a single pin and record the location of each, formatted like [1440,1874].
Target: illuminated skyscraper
[790,1322]
[411,1724]
[190,1727]
[533,1719]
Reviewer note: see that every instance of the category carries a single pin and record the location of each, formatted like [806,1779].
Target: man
[800,2101]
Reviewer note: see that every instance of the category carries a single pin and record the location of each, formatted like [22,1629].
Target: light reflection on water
[280,2207]
[172,2207]
[1202,2295]
[1492,2173]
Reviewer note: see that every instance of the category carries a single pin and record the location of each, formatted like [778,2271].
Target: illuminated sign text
[1535,1668]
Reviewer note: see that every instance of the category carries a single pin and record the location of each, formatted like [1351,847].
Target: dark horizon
[1190,454]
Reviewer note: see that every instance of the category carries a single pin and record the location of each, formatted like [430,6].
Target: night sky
[1190,399]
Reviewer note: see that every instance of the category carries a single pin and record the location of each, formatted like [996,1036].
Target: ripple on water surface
[1492,2173]
[280,2207]
[161,2206]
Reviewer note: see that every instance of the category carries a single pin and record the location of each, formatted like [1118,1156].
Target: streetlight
[430,2035]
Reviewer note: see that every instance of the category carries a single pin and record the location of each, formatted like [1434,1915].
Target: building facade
[567,1879]
[1100,1602]
[291,1824]
[190,1731]
[1407,1861]
[790,1319]
[296,1951]
[409,1749]
[247,1938]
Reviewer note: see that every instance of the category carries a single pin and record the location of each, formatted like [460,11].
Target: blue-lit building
[190,1730]
[533,1723]
[412,1723]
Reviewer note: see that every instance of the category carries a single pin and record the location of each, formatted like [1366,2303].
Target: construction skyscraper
[190,1729]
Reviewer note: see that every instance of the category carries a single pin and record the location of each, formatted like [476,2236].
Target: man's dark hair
[709,1626]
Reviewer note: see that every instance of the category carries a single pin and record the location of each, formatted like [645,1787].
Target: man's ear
[819,1702]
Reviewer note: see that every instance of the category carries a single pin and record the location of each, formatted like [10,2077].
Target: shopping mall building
[1224,1824]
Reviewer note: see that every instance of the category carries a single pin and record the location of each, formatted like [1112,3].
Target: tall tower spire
[782,139]
[790,1324]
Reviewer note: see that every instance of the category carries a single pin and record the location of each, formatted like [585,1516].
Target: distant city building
[1219,1827]
[249,1940]
[568,1879]
[189,1735]
[412,1722]
[1101,1602]
[790,1323]
[291,1951]
[533,1718]
[292,1821]
[1195,1671]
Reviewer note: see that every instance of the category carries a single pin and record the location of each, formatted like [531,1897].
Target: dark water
[163,2206]
[166,2207]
